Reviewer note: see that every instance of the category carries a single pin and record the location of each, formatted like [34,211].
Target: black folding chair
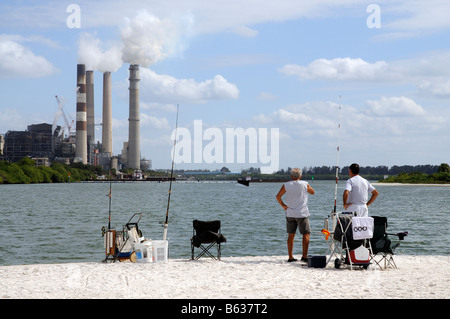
[208,233]
[382,247]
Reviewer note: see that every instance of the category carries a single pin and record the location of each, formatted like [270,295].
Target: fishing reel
[103,231]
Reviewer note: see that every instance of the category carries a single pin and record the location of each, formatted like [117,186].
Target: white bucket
[160,250]
[144,252]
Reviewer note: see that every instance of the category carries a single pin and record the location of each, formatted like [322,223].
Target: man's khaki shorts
[302,223]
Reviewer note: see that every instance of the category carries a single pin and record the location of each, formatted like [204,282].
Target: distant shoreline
[412,184]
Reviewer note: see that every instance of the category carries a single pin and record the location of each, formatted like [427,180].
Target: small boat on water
[246,183]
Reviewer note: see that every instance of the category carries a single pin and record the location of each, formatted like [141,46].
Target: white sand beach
[259,277]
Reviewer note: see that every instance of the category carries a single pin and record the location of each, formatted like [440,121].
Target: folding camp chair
[206,232]
[382,246]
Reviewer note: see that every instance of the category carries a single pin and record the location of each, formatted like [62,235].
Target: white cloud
[246,31]
[438,88]
[338,69]
[264,96]
[17,60]
[153,122]
[387,116]
[12,119]
[313,118]
[211,16]
[428,72]
[291,117]
[31,39]
[394,107]
[168,89]
[418,15]
[401,16]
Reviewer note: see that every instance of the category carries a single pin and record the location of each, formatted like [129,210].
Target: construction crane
[61,112]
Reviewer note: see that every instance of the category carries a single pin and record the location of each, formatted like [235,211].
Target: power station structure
[39,142]
[81,122]
[134,150]
[90,116]
[107,115]
[81,146]
[86,151]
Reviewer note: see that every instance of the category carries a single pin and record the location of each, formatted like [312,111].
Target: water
[55,223]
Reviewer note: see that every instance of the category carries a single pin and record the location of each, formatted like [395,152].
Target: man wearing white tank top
[297,213]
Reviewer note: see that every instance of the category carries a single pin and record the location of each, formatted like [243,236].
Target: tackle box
[317,261]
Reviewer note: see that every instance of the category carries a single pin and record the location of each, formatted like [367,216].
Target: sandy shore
[258,277]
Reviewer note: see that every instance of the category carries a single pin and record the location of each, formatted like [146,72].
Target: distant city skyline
[379,69]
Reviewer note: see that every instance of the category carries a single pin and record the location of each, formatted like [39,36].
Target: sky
[298,78]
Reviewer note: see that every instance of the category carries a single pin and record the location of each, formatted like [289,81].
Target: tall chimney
[81,127]
[134,152]
[90,113]
[107,115]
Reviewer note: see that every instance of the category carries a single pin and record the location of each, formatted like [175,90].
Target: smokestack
[81,126]
[107,115]
[134,152]
[90,112]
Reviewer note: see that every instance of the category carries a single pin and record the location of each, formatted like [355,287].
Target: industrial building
[48,141]
[38,141]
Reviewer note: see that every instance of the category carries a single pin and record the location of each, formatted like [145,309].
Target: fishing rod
[166,222]
[337,159]
[337,166]
[109,234]
[109,210]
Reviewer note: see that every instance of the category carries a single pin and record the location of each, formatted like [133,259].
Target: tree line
[372,170]
[329,172]
[369,172]
[26,172]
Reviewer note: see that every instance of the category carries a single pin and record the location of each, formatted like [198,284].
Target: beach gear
[362,227]
[382,246]
[317,261]
[347,249]
[361,241]
[120,245]
[206,232]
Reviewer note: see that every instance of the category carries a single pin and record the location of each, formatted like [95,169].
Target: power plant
[90,112]
[107,115]
[81,123]
[81,146]
[134,150]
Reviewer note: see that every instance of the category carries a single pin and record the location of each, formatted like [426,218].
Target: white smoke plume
[91,54]
[147,39]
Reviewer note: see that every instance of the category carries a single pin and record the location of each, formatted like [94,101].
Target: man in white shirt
[297,213]
[356,193]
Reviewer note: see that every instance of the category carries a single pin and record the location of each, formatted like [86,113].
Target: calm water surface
[55,223]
